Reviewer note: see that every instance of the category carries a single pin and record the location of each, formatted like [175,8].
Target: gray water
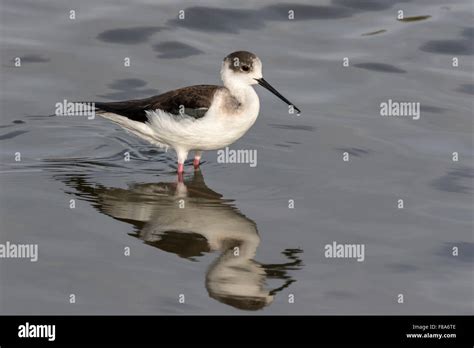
[134,204]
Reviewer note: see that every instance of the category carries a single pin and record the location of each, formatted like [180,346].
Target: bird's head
[242,68]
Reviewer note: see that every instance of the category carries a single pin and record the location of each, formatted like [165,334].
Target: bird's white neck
[238,87]
[244,94]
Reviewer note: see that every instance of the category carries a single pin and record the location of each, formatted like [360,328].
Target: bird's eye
[245,68]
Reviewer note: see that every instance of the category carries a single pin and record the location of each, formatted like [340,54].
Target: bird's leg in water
[181,154]
[197,159]
[180,172]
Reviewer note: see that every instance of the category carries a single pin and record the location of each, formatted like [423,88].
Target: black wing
[196,100]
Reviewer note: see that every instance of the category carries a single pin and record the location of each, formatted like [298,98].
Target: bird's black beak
[268,86]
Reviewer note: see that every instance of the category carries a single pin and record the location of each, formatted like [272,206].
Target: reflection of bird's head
[236,279]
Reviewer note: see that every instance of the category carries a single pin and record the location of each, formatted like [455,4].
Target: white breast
[221,126]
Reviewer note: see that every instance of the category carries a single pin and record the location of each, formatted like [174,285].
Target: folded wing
[193,101]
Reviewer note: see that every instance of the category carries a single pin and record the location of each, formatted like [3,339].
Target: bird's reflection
[189,219]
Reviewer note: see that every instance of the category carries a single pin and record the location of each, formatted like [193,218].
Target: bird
[197,118]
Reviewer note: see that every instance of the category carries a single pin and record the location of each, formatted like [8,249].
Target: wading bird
[197,118]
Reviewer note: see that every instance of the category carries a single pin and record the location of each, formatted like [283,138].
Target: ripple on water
[380,67]
[13,134]
[128,36]
[457,180]
[175,49]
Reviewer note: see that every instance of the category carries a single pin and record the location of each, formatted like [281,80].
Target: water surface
[135,205]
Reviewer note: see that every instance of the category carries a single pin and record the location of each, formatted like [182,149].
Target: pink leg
[180,172]
[197,159]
